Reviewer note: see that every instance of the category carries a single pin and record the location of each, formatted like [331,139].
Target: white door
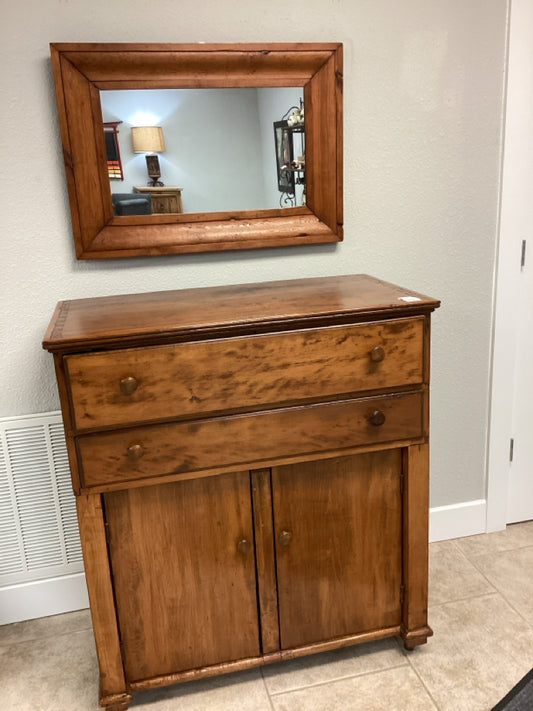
[520,487]
[520,483]
[510,483]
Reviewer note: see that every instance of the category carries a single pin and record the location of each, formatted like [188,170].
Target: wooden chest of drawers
[251,472]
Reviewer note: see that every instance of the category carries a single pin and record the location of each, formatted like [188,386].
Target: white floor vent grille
[38,527]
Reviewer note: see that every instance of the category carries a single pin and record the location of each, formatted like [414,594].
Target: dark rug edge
[500,706]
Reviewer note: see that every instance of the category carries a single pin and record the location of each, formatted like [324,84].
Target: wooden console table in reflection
[164,199]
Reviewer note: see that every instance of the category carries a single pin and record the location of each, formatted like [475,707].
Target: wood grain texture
[324,95]
[85,174]
[230,442]
[67,415]
[265,561]
[238,374]
[100,588]
[270,658]
[415,629]
[186,595]
[116,703]
[338,562]
[201,64]
[82,70]
[197,314]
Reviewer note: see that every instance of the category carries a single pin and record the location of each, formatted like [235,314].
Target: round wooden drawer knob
[377,418]
[377,354]
[285,537]
[129,385]
[243,546]
[136,451]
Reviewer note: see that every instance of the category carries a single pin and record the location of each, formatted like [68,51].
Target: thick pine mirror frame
[81,71]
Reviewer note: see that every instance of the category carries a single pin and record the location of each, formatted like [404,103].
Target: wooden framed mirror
[83,71]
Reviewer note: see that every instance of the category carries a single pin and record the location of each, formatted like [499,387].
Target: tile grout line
[265,685]
[469,557]
[337,679]
[421,679]
[494,591]
[41,637]
[500,593]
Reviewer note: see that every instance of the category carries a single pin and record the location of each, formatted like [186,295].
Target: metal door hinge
[523,255]
[511,449]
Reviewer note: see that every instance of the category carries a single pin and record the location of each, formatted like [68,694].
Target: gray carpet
[520,698]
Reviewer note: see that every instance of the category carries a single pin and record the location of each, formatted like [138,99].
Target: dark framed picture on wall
[114,162]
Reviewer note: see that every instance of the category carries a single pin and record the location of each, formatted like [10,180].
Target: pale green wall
[424,85]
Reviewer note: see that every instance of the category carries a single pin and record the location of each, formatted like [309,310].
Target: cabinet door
[182,559]
[164,203]
[338,546]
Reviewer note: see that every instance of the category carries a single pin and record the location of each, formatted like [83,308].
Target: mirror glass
[220,144]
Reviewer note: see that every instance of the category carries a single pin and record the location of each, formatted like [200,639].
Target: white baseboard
[42,598]
[457,520]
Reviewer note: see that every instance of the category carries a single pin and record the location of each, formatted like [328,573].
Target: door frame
[518,107]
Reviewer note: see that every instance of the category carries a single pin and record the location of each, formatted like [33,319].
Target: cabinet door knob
[285,537]
[377,418]
[135,452]
[243,546]
[129,385]
[377,354]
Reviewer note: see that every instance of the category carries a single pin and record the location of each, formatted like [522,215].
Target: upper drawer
[180,380]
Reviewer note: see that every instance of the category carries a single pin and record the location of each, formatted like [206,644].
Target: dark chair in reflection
[131,204]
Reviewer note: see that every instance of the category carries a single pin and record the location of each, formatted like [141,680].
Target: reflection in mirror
[114,162]
[221,153]
[289,138]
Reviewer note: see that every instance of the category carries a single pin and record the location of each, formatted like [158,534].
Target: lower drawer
[247,440]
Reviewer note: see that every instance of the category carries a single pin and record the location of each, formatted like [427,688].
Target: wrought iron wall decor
[289,137]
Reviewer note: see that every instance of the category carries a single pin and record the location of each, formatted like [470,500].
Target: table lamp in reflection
[150,140]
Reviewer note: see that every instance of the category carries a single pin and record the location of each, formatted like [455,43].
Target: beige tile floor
[481,610]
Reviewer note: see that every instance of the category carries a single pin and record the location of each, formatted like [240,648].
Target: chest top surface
[199,313]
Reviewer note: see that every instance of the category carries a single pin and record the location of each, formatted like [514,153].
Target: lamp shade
[148,139]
